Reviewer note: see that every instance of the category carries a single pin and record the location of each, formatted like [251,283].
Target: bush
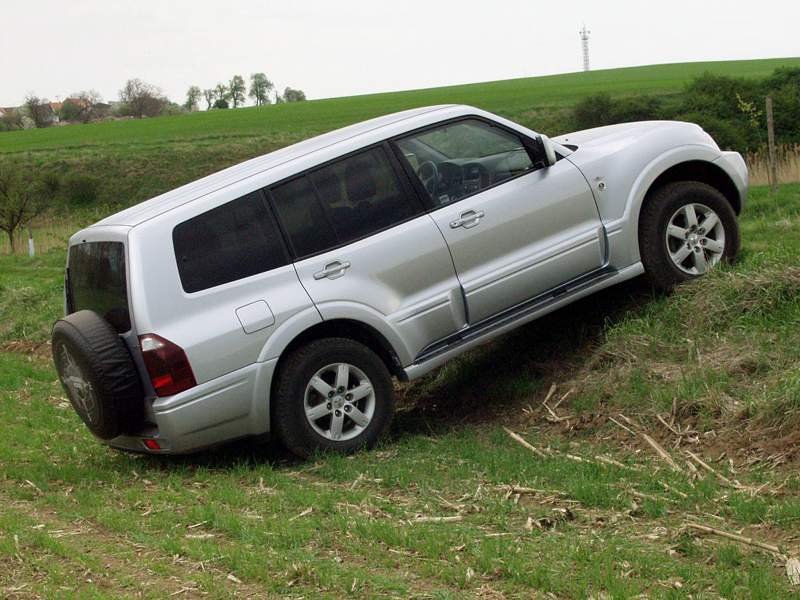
[594,111]
[80,190]
[71,111]
[730,109]
[601,109]
[221,103]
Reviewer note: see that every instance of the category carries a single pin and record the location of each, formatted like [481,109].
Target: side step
[509,315]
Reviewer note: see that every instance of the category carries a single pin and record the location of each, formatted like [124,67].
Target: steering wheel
[428,174]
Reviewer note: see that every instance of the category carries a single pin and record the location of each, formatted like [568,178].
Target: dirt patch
[38,350]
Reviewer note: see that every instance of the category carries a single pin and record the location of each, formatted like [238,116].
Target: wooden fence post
[773,166]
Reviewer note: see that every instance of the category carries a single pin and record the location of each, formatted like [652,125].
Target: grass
[133,160]
[517,98]
[720,357]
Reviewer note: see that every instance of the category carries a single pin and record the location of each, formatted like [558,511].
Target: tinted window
[344,201]
[230,242]
[96,280]
[462,158]
[302,217]
[362,194]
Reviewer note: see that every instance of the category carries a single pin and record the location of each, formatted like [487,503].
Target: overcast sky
[344,47]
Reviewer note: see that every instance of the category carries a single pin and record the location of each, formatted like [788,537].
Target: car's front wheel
[685,229]
[333,394]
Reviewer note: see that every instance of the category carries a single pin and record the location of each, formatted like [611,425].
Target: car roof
[303,153]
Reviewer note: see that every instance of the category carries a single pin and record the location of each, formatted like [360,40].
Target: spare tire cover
[98,374]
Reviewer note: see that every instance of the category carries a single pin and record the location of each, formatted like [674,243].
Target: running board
[439,352]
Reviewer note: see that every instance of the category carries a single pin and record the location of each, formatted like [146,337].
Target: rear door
[515,228]
[365,249]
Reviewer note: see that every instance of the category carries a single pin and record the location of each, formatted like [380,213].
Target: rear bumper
[232,406]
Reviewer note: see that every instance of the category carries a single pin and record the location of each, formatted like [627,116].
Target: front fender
[620,208]
[645,180]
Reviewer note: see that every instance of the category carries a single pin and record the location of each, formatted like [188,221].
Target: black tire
[114,403]
[654,219]
[289,420]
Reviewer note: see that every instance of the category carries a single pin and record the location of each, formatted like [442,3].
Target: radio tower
[585,43]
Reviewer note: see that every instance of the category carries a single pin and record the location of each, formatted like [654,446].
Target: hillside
[534,101]
[450,506]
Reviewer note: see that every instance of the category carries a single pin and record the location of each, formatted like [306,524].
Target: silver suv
[284,293]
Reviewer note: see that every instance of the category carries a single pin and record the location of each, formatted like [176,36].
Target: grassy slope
[725,349]
[517,98]
[136,160]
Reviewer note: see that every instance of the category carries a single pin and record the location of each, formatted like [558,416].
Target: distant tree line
[139,99]
[234,93]
[728,108]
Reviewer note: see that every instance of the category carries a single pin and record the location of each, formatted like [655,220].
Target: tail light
[167,365]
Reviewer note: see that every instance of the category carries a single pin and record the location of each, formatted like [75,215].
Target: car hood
[615,137]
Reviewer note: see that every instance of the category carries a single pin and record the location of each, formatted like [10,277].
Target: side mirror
[542,151]
[549,150]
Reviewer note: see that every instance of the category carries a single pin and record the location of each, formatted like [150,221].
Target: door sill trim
[514,313]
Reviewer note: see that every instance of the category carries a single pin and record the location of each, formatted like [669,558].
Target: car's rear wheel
[98,374]
[333,394]
[686,229]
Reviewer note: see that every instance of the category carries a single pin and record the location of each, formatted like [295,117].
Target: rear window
[230,242]
[96,280]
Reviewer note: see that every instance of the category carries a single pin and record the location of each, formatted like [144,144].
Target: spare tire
[98,374]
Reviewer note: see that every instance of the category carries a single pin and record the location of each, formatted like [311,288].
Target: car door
[515,227]
[365,250]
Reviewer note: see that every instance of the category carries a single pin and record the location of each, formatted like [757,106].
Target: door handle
[333,270]
[468,219]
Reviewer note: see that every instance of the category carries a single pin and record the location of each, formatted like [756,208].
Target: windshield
[469,139]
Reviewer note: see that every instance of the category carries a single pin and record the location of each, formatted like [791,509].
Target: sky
[338,48]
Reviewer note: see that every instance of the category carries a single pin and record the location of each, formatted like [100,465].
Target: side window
[230,242]
[341,202]
[302,217]
[462,158]
[362,194]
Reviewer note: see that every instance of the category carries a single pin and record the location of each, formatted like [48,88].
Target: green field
[534,102]
[436,511]
[433,512]
[133,160]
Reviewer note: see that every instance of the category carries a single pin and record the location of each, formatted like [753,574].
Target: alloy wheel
[339,402]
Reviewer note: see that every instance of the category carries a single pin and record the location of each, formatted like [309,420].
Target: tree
[80,107]
[22,199]
[39,110]
[142,99]
[260,87]
[236,90]
[221,93]
[292,95]
[11,119]
[209,95]
[193,95]
[221,103]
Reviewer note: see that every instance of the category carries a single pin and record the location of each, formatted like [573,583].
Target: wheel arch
[702,171]
[350,329]
[692,163]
